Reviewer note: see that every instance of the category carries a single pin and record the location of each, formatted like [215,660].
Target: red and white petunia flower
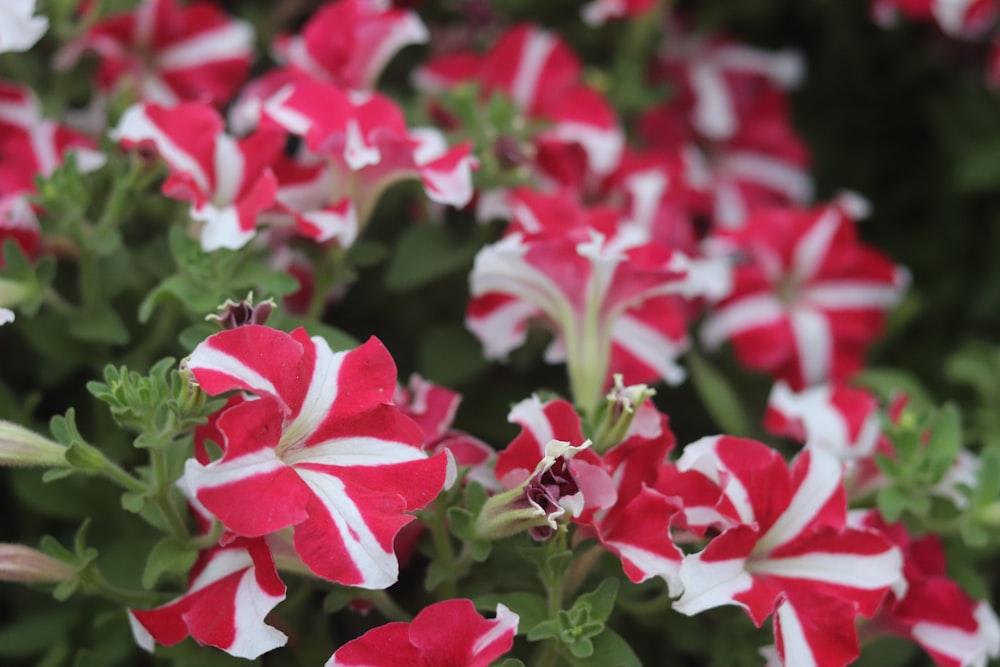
[934,611]
[368,146]
[763,163]
[598,12]
[717,78]
[231,589]
[228,181]
[166,53]
[320,449]
[445,634]
[838,418]
[541,75]
[20,29]
[610,295]
[349,42]
[787,550]
[808,296]
[958,18]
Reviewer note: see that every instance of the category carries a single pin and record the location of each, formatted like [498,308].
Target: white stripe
[794,643]
[538,46]
[651,347]
[863,572]
[207,357]
[852,295]
[505,623]
[814,245]
[711,584]
[227,42]
[378,568]
[813,344]
[251,604]
[354,452]
[784,177]
[823,478]
[220,473]
[744,314]
[651,564]
[136,126]
[714,115]
[318,401]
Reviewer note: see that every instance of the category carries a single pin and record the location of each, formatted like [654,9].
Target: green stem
[115,473]
[173,518]
[388,607]
[90,286]
[96,584]
[438,527]
[661,602]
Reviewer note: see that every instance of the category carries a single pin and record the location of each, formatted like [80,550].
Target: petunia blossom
[231,589]
[228,181]
[934,611]
[349,42]
[808,295]
[445,634]
[321,449]
[786,549]
[166,52]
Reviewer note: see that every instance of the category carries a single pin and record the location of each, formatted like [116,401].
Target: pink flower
[612,297]
[935,612]
[349,42]
[320,449]
[808,297]
[786,549]
[368,146]
[541,75]
[838,418]
[228,181]
[446,634]
[20,29]
[231,589]
[167,53]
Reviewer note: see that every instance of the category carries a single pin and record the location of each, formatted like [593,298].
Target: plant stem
[438,527]
[388,607]
[177,523]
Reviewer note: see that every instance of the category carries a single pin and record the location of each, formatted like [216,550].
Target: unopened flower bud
[22,447]
[622,404]
[539,502]
[235,314]
[24,564]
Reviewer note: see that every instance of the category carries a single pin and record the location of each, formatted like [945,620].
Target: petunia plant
[587,333]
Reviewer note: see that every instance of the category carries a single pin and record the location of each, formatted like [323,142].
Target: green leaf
[169,555]
[610,650]
[945,440]
[424,254]
[888,382]
[718,396]
[510,662]
[32,634]
[891,503]
[450,355]
[100,325]
[544,630]
[530,607]
[600,601]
